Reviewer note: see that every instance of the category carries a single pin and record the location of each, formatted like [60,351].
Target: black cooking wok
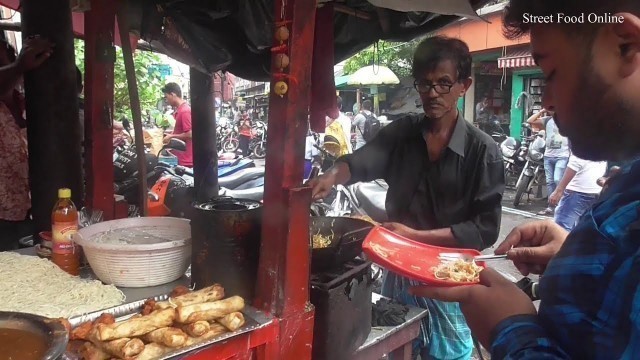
[346,234]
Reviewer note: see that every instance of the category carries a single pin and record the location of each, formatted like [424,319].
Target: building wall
[480,35]
[224,86]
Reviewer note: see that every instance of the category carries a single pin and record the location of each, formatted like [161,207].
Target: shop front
[527,85]
[494,85]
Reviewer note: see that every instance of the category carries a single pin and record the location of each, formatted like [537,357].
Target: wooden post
[283,283]
[205,155]
[99,55]
[134,98]
[52,108]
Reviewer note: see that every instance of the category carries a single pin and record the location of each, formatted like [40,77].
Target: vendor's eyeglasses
[424,87]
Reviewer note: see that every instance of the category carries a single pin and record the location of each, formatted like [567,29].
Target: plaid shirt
[590,292]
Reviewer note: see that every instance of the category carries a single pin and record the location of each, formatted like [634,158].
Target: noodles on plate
[458,271]
[37,286]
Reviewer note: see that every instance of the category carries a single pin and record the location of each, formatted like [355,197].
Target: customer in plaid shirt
[590,291]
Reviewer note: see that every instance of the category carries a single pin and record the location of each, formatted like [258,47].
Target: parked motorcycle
[532,174]
[125,172]
[258,145]
[173,192]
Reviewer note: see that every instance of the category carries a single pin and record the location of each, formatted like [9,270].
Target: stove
[342,300]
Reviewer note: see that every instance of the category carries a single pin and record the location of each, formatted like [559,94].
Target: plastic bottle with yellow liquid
[64,223]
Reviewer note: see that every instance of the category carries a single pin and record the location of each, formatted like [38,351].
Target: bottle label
[63,237]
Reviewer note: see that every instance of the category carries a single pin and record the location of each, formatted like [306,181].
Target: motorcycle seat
[251,184]
[234,168]
[256,193]
[236,179]
[372,196]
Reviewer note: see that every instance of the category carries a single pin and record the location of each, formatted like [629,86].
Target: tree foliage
[396,56]
[148,77]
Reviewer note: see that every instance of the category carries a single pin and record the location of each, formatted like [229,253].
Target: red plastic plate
[409,258]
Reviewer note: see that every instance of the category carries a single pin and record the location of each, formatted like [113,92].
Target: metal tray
[254,319]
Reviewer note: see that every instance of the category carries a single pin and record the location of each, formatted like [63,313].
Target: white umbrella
[373,75]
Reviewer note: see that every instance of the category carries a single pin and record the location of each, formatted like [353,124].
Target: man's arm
[482,229]
[370,161]
[367,163]
[569,174]
[184,136]
[34,52]
[523,337]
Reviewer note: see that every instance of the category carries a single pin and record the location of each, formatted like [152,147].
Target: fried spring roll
[208,294]
[209,310]
[92,352]
[197,328]
[153,351]
[214,330]
[167,336]
[121,348]
[137,326]
[233,321]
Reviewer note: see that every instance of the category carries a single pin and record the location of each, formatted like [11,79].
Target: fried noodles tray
[254,319]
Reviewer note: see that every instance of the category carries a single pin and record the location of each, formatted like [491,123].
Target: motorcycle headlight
[506,151]
[536,155]
[536,151]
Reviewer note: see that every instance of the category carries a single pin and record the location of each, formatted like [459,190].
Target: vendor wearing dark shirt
[446,180]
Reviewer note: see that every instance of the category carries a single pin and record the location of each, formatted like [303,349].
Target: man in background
[182,129]
[556,152]
[577,190]
[482,113]
[360,120]
[345,122]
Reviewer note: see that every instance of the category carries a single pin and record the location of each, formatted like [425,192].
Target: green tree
[148,77]
[396,56]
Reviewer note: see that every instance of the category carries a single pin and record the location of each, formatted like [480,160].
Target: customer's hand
[555,197]
[485,305]
[400,229]
[35,51]
[532,245]
[321,186]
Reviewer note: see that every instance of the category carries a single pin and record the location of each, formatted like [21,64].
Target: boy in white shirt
[577,190]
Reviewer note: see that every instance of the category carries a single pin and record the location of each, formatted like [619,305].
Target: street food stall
[291,43]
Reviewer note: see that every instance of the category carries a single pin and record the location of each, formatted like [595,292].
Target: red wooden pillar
[283,282]
[99,61]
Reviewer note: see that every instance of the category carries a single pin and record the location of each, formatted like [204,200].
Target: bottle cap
[64,193]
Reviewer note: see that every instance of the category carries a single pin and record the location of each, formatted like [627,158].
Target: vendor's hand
[321,186]
[35,51]
[555,197]
[400,229]
[604,181]
[532,245]
[485,305]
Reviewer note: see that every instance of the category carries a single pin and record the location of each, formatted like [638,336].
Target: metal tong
[467,257]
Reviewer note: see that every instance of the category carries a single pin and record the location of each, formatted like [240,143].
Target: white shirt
[587,174]
[310,150]
[557,145]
